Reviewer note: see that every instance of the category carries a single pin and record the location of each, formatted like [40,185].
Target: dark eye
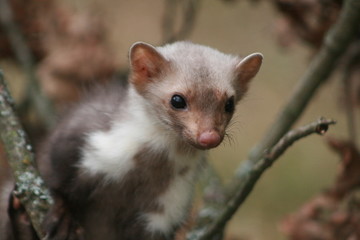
[178,102]
[229,105]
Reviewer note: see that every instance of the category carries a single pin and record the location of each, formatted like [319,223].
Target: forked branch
[218,217]
[336,42]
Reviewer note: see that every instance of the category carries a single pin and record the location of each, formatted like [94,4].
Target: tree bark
[29,187]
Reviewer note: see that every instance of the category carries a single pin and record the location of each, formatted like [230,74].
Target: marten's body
[121,179]
[122,163]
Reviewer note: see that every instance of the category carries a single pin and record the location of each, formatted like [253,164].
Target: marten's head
[193,89]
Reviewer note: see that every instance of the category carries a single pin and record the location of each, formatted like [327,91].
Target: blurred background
[236,27]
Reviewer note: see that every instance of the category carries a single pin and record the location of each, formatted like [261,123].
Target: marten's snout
[209,139]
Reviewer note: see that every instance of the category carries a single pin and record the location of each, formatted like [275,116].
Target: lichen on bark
[29,187]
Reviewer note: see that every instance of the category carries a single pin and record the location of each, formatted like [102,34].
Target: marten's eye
[178,102]
[229,105]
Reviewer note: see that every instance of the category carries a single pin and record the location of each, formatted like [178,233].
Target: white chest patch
[110,153]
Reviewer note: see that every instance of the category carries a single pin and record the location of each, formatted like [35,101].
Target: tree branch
[352,63]
[213,220]
[337,40]
[342,34]
[29,188]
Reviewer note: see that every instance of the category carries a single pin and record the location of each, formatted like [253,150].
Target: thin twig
[41,104]
[243,189]
[168,21]
[349,108]
[189,13]
[30,188]
[190,10]
[352,63]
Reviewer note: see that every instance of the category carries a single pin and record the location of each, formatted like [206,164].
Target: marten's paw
[60,225]
[21,227]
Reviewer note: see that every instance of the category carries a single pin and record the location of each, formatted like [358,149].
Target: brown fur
[206,113]
[90,203]
[139,188]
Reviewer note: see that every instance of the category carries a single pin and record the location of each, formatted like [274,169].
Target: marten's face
[192,89]
[201,118]
[199,115]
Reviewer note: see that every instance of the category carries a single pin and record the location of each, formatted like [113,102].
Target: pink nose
[209,139]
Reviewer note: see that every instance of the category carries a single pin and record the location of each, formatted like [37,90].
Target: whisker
[228,138]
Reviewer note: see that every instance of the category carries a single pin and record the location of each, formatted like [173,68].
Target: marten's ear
[146,64]
[246,69]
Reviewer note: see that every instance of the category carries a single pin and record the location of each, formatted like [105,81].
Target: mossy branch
[29,187]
